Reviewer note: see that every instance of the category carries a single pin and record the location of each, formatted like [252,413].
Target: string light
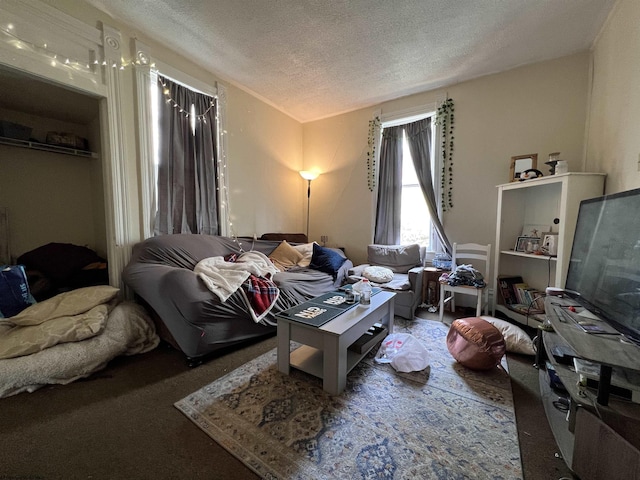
[56,59]
[183,109]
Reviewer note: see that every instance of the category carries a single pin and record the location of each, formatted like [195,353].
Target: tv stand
[595,425]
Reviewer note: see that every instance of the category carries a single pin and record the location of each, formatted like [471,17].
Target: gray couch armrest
[415,277]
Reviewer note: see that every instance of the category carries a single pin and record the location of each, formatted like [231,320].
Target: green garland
[445,118]
[374,127]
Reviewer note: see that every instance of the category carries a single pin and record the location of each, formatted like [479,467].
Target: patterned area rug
[446,422]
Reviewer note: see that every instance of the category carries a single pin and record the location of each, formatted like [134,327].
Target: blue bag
[14,290]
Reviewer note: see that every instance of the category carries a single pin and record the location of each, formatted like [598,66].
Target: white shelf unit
[539,202]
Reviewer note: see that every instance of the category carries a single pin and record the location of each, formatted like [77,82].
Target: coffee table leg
[284,346]
[334,369]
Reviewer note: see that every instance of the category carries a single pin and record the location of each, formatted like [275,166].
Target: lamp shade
[309,175]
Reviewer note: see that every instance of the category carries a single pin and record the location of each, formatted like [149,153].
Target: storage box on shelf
[551,201]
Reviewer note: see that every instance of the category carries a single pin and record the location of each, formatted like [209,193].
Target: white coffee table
[325,351]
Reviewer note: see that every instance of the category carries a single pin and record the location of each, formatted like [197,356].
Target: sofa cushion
[378,274]
[326,260]
[399,282]
[399,258]
[285,256]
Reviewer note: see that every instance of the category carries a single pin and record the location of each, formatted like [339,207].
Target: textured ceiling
[317,58]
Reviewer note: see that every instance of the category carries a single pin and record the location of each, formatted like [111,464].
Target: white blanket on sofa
[223,278]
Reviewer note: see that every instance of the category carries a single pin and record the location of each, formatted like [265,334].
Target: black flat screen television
[604,267]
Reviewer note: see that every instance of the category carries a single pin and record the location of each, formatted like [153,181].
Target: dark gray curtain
[387,229]
[419,140]
[187,170]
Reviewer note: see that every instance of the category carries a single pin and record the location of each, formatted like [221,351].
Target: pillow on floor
[516,339]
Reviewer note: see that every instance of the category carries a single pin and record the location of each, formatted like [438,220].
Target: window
[146,78]
[403,214]
[187,178]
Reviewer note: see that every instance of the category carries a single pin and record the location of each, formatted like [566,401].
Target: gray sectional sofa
[191,317]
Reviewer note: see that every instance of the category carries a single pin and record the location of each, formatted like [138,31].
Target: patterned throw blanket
[249,272]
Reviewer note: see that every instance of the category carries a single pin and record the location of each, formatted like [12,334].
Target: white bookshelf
[539,201]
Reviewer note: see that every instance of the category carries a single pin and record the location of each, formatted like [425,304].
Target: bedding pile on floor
[70,336]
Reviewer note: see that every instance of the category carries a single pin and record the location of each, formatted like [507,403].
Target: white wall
[613,142]
[538,108]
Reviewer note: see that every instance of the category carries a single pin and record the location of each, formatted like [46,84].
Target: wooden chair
[480,257]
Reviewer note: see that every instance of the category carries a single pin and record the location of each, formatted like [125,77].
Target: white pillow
[378,274]
[516,339]
[306,249]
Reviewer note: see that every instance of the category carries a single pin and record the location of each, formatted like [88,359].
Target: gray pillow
[399,258]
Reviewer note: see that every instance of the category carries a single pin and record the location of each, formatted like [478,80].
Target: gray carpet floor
[120,423]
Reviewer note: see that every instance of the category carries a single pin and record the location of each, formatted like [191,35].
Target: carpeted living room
[514,115]
[121,422]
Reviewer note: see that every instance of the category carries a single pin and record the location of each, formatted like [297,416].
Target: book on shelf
[520,289]
[507,290]
[519,296]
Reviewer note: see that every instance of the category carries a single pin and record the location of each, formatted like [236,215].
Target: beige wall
[265,155]
[613,142]
[539,108]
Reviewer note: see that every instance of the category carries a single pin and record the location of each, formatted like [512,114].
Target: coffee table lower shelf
[311,360]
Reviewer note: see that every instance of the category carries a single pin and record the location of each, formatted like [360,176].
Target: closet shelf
[46,147]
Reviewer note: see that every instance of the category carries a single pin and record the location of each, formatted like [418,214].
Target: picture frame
[521,243]
[520,163]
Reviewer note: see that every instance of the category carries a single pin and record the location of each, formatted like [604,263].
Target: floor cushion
[475,343]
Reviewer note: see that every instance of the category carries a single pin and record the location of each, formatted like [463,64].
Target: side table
[431,287]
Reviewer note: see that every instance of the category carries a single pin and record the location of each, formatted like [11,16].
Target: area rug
[446,422]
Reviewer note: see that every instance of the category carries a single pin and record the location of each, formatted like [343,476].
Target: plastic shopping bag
[404,352]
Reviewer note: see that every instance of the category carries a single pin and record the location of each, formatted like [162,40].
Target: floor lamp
[308,176]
